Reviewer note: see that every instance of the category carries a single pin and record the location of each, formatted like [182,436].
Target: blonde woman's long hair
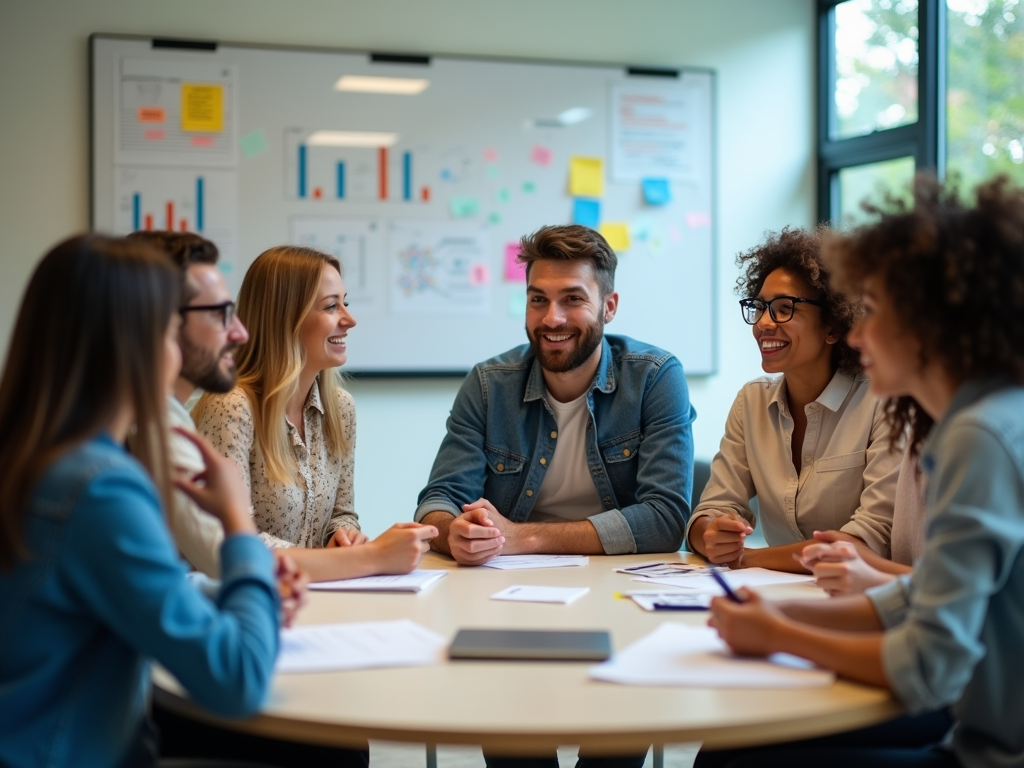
[278,292]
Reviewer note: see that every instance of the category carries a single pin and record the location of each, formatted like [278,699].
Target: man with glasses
[209,332]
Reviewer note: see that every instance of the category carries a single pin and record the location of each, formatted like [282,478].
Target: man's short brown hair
[571,242]
[184,248]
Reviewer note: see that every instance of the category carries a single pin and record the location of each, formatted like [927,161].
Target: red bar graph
[425,194]
[382,172]
[183,225]
[170,216]
[149,221]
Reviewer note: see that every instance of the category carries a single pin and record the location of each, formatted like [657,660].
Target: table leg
[431,756]
[658,756]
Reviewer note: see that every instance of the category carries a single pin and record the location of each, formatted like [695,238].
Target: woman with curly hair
[943,285]
[811,444]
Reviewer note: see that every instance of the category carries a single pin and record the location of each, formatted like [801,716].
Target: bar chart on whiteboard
[182,200]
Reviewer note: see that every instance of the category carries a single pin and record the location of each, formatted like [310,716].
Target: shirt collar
[832,397]
[604,380]
[313,398]
[969,393]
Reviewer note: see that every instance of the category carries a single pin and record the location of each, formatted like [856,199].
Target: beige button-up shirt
[305,514]
[848,476]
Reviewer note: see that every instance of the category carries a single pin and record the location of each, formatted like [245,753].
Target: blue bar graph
[407,176]
[341,181]
[199,204]
[302,170]
[136,212]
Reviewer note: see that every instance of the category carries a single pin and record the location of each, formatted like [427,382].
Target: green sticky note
[517,304]
[254,143]
[494,218]
[504,195]
[463,207]
[529,187]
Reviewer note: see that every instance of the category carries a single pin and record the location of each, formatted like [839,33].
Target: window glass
[985,89]
[871,183]
[876,65]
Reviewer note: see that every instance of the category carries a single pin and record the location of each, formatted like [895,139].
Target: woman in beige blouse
[811,444]
[290,426]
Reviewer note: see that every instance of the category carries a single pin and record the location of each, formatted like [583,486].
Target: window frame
[923,140]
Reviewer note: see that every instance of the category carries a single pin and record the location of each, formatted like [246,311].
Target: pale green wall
[763,51]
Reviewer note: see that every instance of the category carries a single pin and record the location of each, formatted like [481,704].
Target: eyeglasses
[781,308]
[226,310]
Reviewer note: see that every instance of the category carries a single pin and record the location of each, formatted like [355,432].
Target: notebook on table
[531,644]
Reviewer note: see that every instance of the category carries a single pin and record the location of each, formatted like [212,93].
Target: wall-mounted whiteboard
[422,196]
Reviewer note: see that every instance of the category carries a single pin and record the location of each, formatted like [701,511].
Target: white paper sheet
[520,562]
[742,577]
[677,654]
[659,569]
[416,581]
[665,600]
[361,645]
[528,593]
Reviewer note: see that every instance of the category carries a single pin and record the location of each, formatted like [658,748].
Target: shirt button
[529,492]
[807,459]
[626,451]
[543,461]
[554,435]
[500,467]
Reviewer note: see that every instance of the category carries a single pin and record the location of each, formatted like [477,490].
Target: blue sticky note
[656,191]
[586,212]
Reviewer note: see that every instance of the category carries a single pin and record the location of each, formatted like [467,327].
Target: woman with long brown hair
[92,583]
[290,426]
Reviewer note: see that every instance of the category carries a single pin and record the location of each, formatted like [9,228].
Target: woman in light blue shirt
[92,584]
[943,285]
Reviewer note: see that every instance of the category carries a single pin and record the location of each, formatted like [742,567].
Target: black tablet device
[531,644]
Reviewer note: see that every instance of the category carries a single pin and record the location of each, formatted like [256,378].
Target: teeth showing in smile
[768,344]
[558,337]
[336,340]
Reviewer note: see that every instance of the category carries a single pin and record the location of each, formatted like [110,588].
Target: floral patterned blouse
[306,514]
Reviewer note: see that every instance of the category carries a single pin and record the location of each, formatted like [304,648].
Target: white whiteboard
[220,141]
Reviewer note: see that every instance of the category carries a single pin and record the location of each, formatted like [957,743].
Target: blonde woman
[290,426]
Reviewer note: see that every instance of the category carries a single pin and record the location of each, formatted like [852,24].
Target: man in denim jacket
[576,443]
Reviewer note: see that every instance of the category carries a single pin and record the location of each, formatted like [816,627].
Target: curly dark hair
[958,273]
[798,251]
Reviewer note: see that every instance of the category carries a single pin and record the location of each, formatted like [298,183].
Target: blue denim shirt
[956,626]
[103,592]
[639,444]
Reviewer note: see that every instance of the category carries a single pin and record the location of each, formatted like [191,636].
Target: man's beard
[587,341]
[203,369]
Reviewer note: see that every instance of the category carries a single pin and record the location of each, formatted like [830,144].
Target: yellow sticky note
[586,176]
[202,108]
[617,235]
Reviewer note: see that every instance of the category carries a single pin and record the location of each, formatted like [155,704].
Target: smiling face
[206,345]
[565,313]
[891,356]
[801,345]
[323,331]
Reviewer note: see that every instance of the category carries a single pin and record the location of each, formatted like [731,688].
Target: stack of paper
[700,581]
[362,645]
[676,654]
[518,562]
[416,581]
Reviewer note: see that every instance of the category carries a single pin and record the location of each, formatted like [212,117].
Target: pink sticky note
[541,155]
[202,141]
[674,235]
[479,274]
[490,154]
[514,271]
[155,134]
[698,219]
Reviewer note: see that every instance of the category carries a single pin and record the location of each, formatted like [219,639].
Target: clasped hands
[480,533]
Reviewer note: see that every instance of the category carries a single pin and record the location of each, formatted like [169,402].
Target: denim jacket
[639,447]
[103,591]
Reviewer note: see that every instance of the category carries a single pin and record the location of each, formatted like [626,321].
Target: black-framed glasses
[781,308]
[226,310]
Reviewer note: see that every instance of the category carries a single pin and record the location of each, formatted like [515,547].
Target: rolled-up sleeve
[871,522]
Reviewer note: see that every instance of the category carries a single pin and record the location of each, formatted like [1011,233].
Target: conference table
[522,707]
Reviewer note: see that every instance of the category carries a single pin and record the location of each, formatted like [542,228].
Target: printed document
[518,562]
[677,654]
[362,645]
[416,581]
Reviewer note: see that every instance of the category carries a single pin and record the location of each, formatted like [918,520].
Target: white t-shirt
[568,491]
